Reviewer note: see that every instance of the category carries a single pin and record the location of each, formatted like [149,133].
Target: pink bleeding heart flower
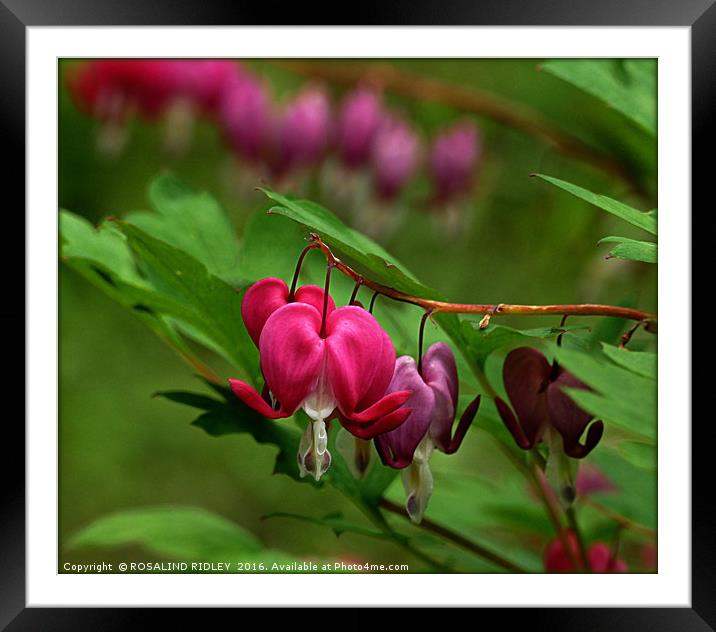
[453,157]
[395,156]
[302,131]
[600,557]
[342,362]
[534,387]
[264,297]
[434,387]
[245,115]
[359,118]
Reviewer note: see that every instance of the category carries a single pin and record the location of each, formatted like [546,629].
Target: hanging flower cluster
[338,363]
[279,138]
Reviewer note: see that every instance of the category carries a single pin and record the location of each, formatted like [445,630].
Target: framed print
[359,316]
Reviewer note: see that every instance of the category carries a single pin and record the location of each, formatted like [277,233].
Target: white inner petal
[321,403]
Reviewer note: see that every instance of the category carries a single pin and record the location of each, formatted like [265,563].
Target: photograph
[358,315]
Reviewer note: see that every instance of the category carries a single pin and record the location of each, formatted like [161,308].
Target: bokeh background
[519,241]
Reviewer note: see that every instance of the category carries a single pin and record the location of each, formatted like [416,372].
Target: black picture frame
[17,15]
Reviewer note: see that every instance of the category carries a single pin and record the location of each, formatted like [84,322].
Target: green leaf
[627,85]
[189,293]
[183,533]
[645,221]
[367,255]
[104,246]
[103,257]
[194,223]
[639,362]
[620,396]
[631,249]
[483,342]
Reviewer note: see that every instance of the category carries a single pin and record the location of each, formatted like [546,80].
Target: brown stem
[456,538]
[500,109]
[443,307]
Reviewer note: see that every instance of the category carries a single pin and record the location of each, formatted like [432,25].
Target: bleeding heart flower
[534,388]
[395,156]
[245,116]
[339,362]
[453,157]
[264,297]
[599,556]
[434,387]
[358,121]
[302,131]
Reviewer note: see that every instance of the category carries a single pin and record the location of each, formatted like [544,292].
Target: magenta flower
[534,388]
[245,115]
[327,362]
[110,89]
[302,131]
[359,118]
[600,557]
[203,81]
[434,387]
[264,297]
[453,157]
[395,156]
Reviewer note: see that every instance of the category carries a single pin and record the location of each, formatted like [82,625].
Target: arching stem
[329,268]
[421,333]
[299,263]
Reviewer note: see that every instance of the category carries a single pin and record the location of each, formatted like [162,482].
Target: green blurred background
[525,242]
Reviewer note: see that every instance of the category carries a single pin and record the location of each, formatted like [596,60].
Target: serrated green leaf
[192,222]
[200,299]
[632,249]
[103,257]
[645,221]
[627,85]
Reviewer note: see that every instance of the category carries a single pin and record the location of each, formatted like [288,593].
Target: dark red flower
[534,387]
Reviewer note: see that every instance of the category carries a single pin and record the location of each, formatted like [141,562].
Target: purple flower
[302,131]
[359,118]
[433,402]
[453,158]
[394,157]
[245,115]
[534,388]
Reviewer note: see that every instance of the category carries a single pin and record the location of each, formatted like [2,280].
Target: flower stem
[443,307]
[455,538]
[296,272]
